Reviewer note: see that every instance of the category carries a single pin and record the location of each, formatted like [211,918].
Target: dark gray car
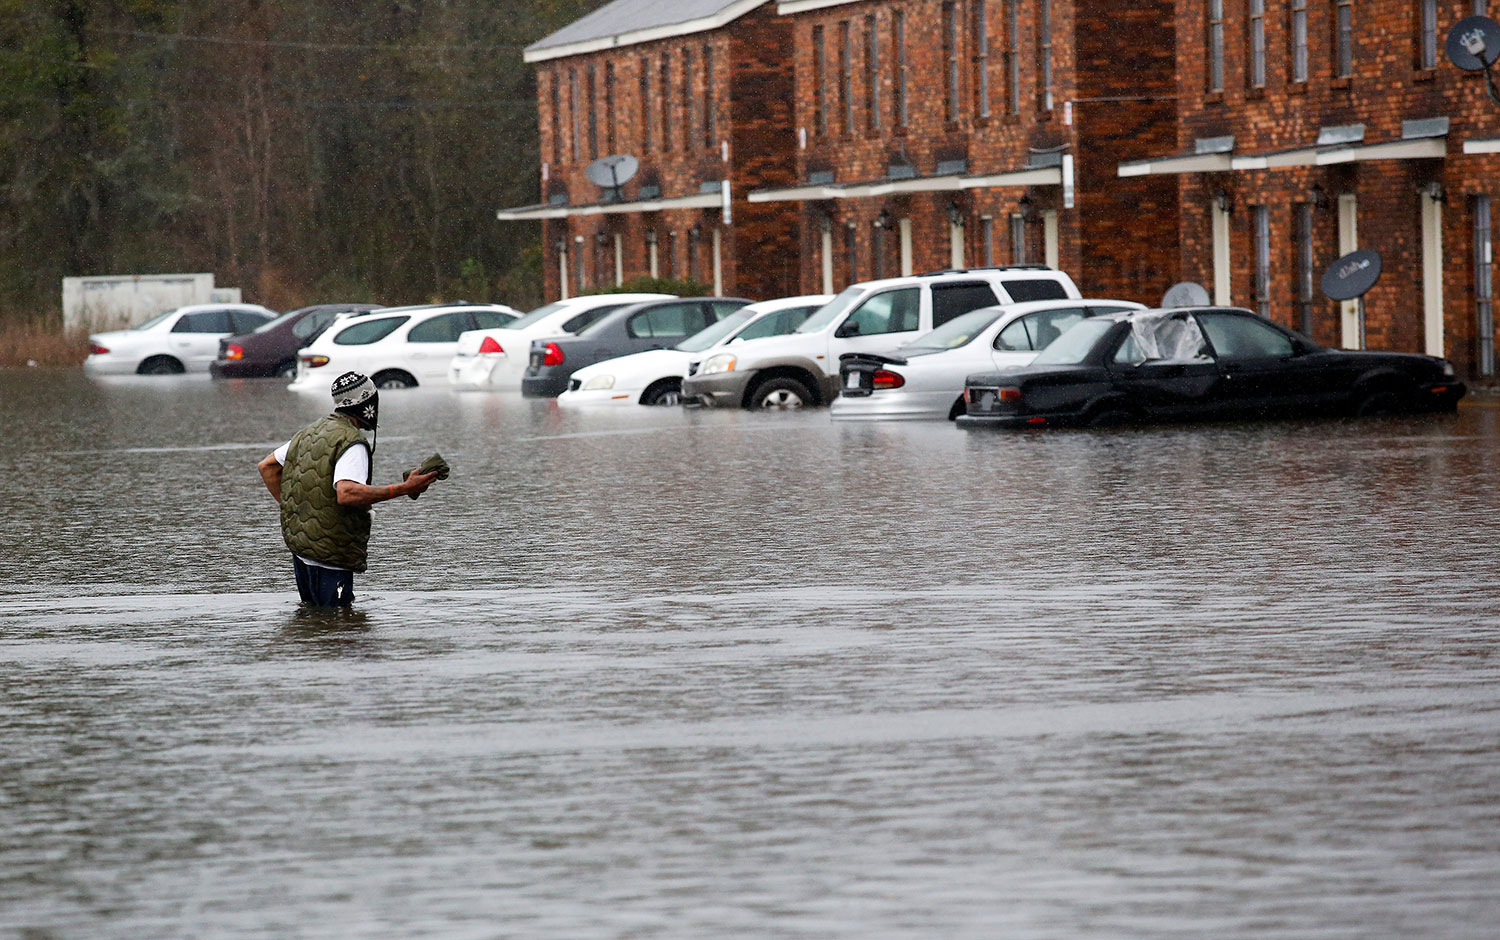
[655,324]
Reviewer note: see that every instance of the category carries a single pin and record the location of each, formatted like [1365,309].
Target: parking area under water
[684,673]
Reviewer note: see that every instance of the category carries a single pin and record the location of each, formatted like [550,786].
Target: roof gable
[626,22]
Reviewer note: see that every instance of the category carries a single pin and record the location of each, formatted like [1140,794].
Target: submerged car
[925,378]
[497,358]
[271,348]
[397,347]
[181,340]
[1198,364]
[655,377]
[656,324]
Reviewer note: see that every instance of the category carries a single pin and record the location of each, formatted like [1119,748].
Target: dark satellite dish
[612,172]
[1186,294]
[1474,43]
[1352,275]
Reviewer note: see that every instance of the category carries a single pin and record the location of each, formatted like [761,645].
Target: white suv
[802,368]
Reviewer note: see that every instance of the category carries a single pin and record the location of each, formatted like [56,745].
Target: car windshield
[705,338]
[958,331]
[535,315]
[1070,348]
[154,320]
[831,310]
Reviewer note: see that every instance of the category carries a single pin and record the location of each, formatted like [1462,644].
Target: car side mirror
[846,329]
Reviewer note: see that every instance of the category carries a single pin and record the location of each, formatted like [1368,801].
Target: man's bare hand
[418,482]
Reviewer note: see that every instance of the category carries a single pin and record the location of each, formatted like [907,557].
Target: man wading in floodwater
[321,477]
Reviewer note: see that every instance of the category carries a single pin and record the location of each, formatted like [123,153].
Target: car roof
[614,316]
[784,303]
[198,308]
[1029,306]
[454,307]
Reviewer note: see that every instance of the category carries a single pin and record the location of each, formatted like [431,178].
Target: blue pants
[323,587]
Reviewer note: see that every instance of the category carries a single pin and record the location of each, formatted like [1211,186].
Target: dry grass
[29,343]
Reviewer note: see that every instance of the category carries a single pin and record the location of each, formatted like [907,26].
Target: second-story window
[1297,36]
[820,83]
[898,29]
[645,104]
[981,59]
[1427,35]
[554,95]
[1257,36]
[1215,46]
[664,102]
[689,112]
[846,78]
[1343,38]
[1044,55]
[950,61]
[575,107]
[593,91]
[1013,55]
[609,107]
[710,118]
[872,72]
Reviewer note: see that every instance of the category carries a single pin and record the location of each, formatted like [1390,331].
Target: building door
[1432,273]
[1352,332]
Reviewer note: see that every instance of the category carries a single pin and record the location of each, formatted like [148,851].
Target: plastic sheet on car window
[1167,334]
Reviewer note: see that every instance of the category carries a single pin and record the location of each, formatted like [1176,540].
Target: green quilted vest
[313,523]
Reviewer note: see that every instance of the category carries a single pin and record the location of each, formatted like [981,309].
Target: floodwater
[663,673]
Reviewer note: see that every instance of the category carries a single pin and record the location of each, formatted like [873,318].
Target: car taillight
[1009,394]
[96,350]
[490,346]
[554,355]
[235,351]
[313,362]
[885,378]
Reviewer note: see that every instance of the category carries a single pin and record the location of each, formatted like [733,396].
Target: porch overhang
[951,183]
[531,213]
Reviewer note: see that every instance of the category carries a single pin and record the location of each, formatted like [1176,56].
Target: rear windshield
[705,338]
[1041,288]
[1073,346]
[958,331]
[155,320]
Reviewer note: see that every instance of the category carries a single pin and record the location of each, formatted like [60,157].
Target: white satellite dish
[612,172]
[1186,294]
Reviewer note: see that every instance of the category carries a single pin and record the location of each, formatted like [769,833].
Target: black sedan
[1197,364]
[654,324]
[271,350]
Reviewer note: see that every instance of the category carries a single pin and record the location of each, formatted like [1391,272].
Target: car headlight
[723,362]
[599,381]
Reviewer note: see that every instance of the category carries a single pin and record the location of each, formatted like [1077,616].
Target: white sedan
[497,358]
[925,378]
[397,347]
[655,377]
[181,340]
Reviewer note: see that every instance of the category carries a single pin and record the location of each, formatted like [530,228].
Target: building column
[651,257]
[1219,216]
[955,245]
[1050,248]
[906,263]
[1432,271]
[827,259]
[1352,329]
[619,259]
[562,266]
[718,263]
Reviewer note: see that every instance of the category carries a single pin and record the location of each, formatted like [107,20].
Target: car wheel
[287,370]
[1110,417]
[160,365]
[393,378]
[959,407]
[780,394]
[1378,403]
[663,393]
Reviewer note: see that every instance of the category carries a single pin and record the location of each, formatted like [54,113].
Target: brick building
[698,92]
[1310,128]
[952,133]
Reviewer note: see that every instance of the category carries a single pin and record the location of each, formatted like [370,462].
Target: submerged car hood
[749,352]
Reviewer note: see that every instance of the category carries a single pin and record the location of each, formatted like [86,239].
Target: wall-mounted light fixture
[825,222]
[883,220]
[1432,190]
[1224,201]
[955,215]
[1025,207]
[1318,196]
[651,236]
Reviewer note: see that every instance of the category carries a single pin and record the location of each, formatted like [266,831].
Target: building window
[576,106]
[665,102]
[693,236]
[981,59]
[1297,33]
[1343,38]
[846,78]
[555,96]
[1013,55]
[898,28]
[1257,37]
[645,105]
[820,83]
[710,118]
[689,109]
[609,107]
[1262,260]
[851,252]
[877,250]
[1017,238]
[950,60]
[1484,286]
[1215,46]
[1427,38]
[1044,55]
[592,91]
[872,72]
[1306,273]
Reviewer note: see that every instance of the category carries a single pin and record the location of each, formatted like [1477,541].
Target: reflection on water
[668,673]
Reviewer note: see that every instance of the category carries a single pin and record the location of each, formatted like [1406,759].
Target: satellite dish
[611,172]
[1474,43]
[1186,294]
[1352,275]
